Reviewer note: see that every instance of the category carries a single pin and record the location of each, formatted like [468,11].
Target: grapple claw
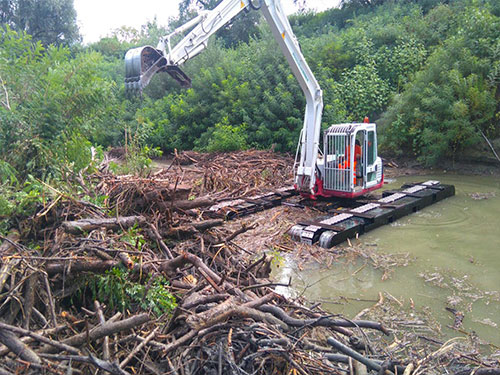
[142,63]
[140,66]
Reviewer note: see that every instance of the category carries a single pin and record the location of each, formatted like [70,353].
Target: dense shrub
[444,109]
[427,71]
[53,105]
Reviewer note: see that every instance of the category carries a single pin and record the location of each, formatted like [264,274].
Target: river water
[454,247]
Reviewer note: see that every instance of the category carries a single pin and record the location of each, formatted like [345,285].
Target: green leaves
[446,105]
[116,289]
[57,104]
[226,137]
[428,72]
[364,92]
[49,21]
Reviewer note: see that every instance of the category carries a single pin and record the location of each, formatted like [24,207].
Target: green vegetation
[49,21]
[116,289]
[427,71]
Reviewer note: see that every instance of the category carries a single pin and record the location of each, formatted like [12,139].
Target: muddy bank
[410,167]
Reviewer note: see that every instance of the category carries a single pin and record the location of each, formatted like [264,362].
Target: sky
[98,18]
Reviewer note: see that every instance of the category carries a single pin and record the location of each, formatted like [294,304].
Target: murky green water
[455,245]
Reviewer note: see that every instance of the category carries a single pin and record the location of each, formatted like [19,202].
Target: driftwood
[38,337]
[194,203]
[187,231]
[27,339]
[351,353]
[114,224]
[155,235]
[72,267]
[10,340]
[103,330]
[322,321]
[102,321]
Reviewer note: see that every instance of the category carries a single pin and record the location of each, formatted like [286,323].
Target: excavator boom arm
[142,63]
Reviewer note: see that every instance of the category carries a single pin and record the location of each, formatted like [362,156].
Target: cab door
[371,157]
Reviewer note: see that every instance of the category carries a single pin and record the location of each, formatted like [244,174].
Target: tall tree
[50,21]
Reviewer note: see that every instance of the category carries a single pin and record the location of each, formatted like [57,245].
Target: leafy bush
[49,98]
[19,202]
[226,137]
[117,290]
[426,70]
[452,100]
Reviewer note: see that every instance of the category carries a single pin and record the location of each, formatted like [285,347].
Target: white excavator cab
[350,166]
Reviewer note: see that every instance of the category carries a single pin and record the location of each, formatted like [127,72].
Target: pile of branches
[227,317]
[245,172]
[192,180]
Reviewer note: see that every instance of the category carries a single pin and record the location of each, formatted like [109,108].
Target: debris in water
[480,196]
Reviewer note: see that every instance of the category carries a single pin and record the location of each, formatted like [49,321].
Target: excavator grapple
[142,63]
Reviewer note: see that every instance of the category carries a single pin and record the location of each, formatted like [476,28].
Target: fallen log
[96,266]
[102,320]
[232,307]
[191,229]
[138,348]
[194,203]
[19,348]
[206,224]
[27,339]
[321,321]
[103,330]
[196,299]
[354,354]
[38,337]
[242,230]
[87,225]
[345,359]
[153,233]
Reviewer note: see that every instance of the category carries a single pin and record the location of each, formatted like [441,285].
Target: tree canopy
[49,21]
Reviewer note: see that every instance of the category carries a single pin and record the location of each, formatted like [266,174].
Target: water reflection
[457,241]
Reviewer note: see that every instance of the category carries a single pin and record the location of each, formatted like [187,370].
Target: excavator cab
[142,63]
[350,166]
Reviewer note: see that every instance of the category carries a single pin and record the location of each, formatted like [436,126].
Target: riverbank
[410,167]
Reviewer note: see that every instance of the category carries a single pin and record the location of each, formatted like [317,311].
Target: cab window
[372,147]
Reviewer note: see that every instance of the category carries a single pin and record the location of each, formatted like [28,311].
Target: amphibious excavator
[337,170]
[346,166]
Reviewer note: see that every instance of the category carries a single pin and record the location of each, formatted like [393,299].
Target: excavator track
[236,208]
[342,219]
